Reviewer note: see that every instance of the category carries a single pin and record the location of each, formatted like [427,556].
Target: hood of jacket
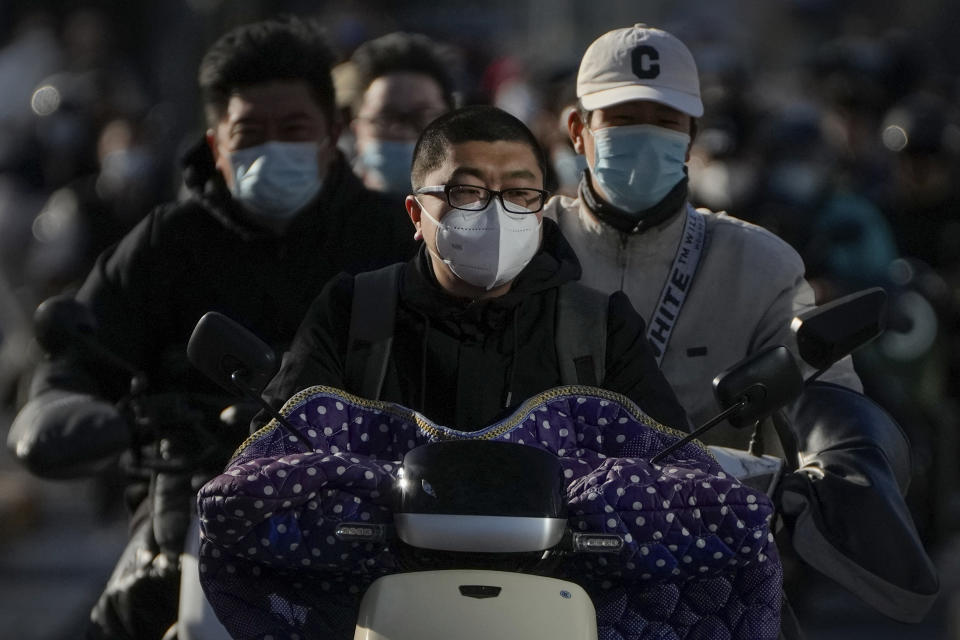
[451,337]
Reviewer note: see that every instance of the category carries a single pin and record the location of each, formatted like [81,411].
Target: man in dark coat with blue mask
[274,211]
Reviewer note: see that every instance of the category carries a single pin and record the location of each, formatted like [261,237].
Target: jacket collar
[632,223]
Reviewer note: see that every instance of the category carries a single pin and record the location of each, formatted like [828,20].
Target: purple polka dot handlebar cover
[699,561]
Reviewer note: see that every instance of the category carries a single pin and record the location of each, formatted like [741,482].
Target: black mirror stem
[707,425]
[788,440]
[254,394]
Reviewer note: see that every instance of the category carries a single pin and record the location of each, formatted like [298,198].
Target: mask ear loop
[423,210]
[418,234]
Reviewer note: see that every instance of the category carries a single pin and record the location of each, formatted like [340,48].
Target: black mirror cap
[220,347]
[59,322]
[831,331]
[768,380]
[481,477]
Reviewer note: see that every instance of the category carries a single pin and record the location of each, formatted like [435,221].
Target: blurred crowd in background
[833,123]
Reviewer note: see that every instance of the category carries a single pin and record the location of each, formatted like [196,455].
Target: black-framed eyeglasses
[473,198]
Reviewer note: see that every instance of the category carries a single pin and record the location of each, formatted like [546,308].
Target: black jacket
[146,294]
[457,361]
[199,255]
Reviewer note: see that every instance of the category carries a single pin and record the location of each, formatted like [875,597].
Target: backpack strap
[370,340]
[678,282]
[581,334]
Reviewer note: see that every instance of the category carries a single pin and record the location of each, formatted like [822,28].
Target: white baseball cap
[639,63]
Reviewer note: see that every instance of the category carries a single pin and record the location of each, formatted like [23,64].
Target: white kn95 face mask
[488,247]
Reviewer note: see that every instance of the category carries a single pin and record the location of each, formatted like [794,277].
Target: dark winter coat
[465,363]
[200,255]
[146,294]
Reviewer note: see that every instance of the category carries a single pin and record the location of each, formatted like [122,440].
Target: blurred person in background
[94,85]
[557,88]
[827,165]
[855,78]
[95,209]
[66,82]
[400,83]
[805,197]
[345,86]
[274,212]
[716,289]
[32,52]
[917,367]
[922,134]
[724,166]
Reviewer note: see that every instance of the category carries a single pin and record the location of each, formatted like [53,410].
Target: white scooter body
[475,605]
[195,617]
[481,604]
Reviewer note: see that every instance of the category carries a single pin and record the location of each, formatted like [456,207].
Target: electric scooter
[478,558]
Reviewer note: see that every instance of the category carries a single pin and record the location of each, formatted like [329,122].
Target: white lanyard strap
[678,282]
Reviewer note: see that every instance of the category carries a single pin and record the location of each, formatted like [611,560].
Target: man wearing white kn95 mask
[473,325]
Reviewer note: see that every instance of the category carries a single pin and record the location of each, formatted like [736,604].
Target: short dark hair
[467,124]
[398,52]
[276,49]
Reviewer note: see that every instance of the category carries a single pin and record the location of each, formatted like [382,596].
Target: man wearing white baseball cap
[715,289]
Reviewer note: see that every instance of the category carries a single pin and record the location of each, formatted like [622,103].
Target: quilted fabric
[699,563]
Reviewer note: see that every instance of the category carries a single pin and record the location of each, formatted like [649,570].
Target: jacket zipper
[622,259]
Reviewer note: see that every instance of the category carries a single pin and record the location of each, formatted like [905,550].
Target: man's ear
[575,126]
[336,128]
[694,127]
[220,160]
[211,139]
[414,211]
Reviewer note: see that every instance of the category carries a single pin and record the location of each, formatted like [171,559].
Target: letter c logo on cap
[644,59]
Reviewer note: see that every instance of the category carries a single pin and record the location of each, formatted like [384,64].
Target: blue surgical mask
[385,164]
[275,180]
[636,166]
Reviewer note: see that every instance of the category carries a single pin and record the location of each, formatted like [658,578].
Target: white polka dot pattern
[277,505]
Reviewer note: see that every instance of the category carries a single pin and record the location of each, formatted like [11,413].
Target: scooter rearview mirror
[231,355]
[235,358]
[763,383]
[760,385]
[750,391]
[831,331]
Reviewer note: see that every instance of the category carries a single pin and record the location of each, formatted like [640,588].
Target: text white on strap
[678,282]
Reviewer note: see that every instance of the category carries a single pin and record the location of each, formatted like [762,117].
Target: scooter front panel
[475,605]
